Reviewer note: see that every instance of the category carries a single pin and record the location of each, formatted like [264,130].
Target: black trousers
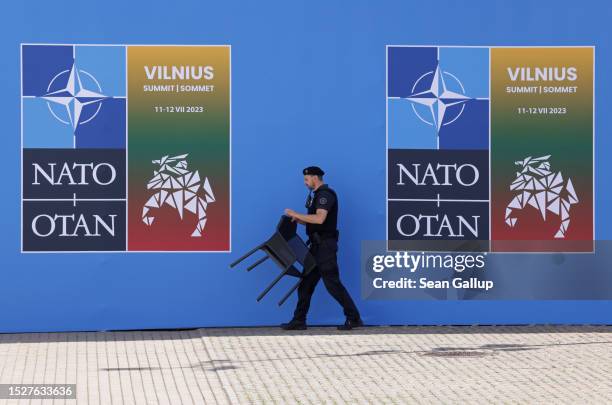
[327,269]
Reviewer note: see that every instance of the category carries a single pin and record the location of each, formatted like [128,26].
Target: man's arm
[317,218]
[298,221]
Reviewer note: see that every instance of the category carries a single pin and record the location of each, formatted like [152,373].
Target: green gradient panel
[519,131]
[160,124]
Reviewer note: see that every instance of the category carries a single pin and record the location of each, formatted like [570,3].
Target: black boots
[293,325]
[299,325]
[351,324]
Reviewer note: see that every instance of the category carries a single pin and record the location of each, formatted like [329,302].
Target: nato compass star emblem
[438,98]
[67,97]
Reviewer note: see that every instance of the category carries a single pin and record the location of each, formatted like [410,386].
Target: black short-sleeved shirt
[324,198]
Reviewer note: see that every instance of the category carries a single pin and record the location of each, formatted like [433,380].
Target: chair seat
[285,248]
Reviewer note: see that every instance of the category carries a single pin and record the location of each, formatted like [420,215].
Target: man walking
[321,227]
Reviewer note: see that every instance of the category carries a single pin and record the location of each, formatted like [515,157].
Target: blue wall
[308,87]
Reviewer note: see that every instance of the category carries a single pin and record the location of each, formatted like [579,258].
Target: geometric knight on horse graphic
[544,190]
[179,188]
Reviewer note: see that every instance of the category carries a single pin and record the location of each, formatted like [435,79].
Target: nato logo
[438,143]
[438,98]
[74,146]
[73,96]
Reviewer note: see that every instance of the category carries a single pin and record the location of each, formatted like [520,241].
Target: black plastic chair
[285,248]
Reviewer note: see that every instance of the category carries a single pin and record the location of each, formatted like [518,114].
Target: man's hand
[293,215]
[317,218]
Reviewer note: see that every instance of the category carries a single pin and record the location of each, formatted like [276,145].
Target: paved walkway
[375,365]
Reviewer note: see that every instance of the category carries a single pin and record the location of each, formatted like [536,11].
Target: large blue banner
[308,86]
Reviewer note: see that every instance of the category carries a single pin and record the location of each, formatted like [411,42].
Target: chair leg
[257,263]
[268,288]
[245,256]
[282,301]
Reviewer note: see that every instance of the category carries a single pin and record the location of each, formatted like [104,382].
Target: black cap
[313,170]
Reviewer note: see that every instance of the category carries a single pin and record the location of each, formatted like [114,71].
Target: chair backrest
[286,227]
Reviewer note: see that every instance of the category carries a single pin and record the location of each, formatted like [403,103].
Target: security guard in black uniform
[321,227]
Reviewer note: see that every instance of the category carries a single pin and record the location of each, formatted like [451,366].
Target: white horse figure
[544,190]
[179,188]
